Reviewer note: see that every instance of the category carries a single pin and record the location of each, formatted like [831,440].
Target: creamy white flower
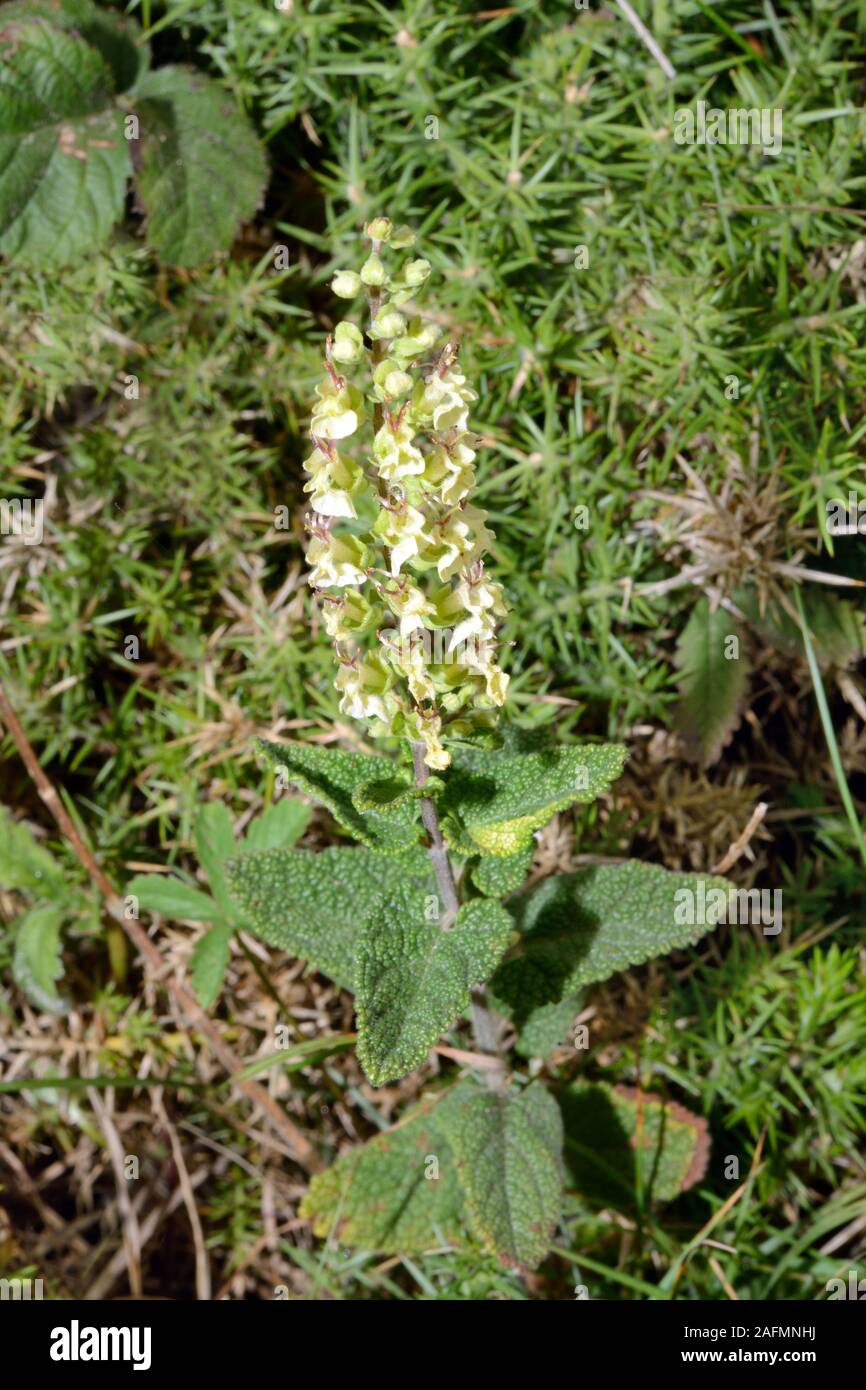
[336,561]
[394,453]
[338,413]
[365,686]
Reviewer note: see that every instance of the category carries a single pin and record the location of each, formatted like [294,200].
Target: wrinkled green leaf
[508,1150]
[413,978]
[712,684]
[312,905]
[171,898]
[622,1145]
[64,161]
[115,36]
[578,928]
[397,1194]
[390,793]
[493,801]
[332,776]
[209,962]
[497,875]
[547,1026]
[202,171]
[36,963]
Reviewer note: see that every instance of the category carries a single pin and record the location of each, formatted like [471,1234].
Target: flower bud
[379,229]
[348,343]
[416,272]
[373,271]
[346,284]
[388,323]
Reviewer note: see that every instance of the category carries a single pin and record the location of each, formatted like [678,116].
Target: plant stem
[485,1029]
[436,849]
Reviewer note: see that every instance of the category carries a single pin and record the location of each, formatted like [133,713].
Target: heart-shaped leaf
[413,978]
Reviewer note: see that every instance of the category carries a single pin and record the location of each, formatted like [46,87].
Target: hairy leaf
[333,776]
[36,963]
[414,978]
[497,875]
[312,905]
[621,1143]
[508,1150]
[713,679]
[209,962]
[546,1027]
[493,801]
[578,928]
[202,171]
[389,793]
[64,161]
[398,1194]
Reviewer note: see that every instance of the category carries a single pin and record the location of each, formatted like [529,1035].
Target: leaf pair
[570,931]
[80,113]
[371,922]
[473,1158]
[489,802]
[493,1165]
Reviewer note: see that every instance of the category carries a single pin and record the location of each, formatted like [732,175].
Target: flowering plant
[424,922]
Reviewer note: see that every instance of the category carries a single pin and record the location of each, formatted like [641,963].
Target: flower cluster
[397,548]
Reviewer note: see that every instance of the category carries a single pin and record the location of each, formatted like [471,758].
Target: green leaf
[312,905]
[579,928]
[508,1150]
[624,1147]
[115,36]
[497,875]
[398,1194]
[546,1027]
[414,978]
[24,864]
[390,793]
[493,801]
[209,962]
[332,776]
[202,171]
[279,825]
[712,684]
[215,843]
[838,628]
[64,161]
[36,963]
[171,898]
